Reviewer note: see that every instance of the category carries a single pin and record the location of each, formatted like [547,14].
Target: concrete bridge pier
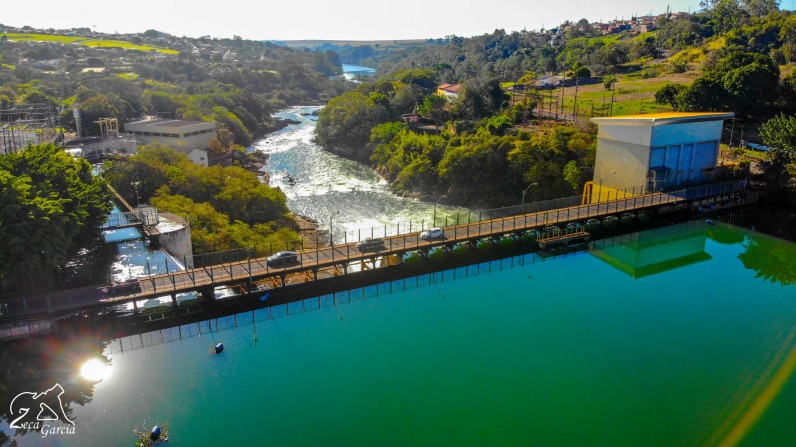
[207,293]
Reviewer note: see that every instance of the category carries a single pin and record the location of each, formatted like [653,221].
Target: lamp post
[434,218]
[137,197]
[525,191]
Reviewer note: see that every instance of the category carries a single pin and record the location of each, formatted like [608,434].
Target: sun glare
[95,370]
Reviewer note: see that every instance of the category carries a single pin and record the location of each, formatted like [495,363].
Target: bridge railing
[620,200]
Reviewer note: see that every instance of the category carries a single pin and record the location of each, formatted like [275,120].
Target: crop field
[21,37]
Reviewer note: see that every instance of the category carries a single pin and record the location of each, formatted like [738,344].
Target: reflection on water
[772,259]
[654,251]
[42,367]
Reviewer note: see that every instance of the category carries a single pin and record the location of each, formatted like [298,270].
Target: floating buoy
[219,347]
[155,433]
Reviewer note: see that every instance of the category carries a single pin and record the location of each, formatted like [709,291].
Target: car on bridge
[433,233]
[370,244]
[281,259]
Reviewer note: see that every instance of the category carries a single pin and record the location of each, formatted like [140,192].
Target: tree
[480,98]
[50,203]
[760,8]
[749,79]
[724,14]
[779,134]
[345,124]
[580,72]
[670,94]
[94,108]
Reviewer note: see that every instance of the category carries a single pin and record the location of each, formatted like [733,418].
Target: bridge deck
[254,269]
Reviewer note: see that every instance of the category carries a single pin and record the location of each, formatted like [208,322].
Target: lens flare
[95,370]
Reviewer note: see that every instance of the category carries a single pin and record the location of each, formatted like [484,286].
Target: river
[344,194]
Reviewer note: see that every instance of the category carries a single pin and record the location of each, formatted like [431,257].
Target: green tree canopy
[779,133]
[50,204]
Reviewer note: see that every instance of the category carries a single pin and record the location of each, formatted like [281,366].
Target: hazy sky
[324,19]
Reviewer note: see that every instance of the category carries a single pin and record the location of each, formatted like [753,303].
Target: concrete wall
[621,165]
[175,237]
[199,156]
[200,141]
[640,134]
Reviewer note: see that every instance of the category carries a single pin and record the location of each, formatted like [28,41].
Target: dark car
[370,243]
[281,258]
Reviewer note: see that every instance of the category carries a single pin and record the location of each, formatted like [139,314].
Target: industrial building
[654,152]
[170,132]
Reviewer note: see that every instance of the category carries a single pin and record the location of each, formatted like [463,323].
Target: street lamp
[526,190]
[434,219]
[331,228]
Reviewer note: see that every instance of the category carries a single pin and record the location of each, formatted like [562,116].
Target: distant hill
[313,44]
[363,52]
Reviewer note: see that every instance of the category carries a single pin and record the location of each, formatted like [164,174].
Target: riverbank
[310,232]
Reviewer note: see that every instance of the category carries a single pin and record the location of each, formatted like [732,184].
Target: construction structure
[654,152]
[110,142]
[26,124]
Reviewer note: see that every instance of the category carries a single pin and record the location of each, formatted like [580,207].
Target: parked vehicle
[433,233]
[370,243]
[281,258]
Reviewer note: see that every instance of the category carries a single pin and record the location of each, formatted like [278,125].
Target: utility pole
[613,89]
[575,107]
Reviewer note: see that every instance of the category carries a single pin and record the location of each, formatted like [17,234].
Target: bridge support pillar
[207,293]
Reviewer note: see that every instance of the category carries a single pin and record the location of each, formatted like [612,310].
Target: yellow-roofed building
[654,152]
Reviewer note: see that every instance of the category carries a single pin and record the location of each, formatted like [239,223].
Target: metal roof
[165,122]
[661,119]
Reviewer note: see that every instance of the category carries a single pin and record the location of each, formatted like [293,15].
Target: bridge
[254,275]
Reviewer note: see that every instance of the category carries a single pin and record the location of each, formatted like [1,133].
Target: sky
[325,19]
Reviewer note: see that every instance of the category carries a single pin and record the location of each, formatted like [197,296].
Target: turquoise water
[664,338]
[351,71]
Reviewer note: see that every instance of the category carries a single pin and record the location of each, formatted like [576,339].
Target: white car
[433,233]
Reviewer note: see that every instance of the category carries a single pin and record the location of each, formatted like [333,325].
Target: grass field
[632,95]
[21,37]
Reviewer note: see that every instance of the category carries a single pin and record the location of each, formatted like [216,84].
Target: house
[549,82]
[449,91]
[410,117]
[654,152]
